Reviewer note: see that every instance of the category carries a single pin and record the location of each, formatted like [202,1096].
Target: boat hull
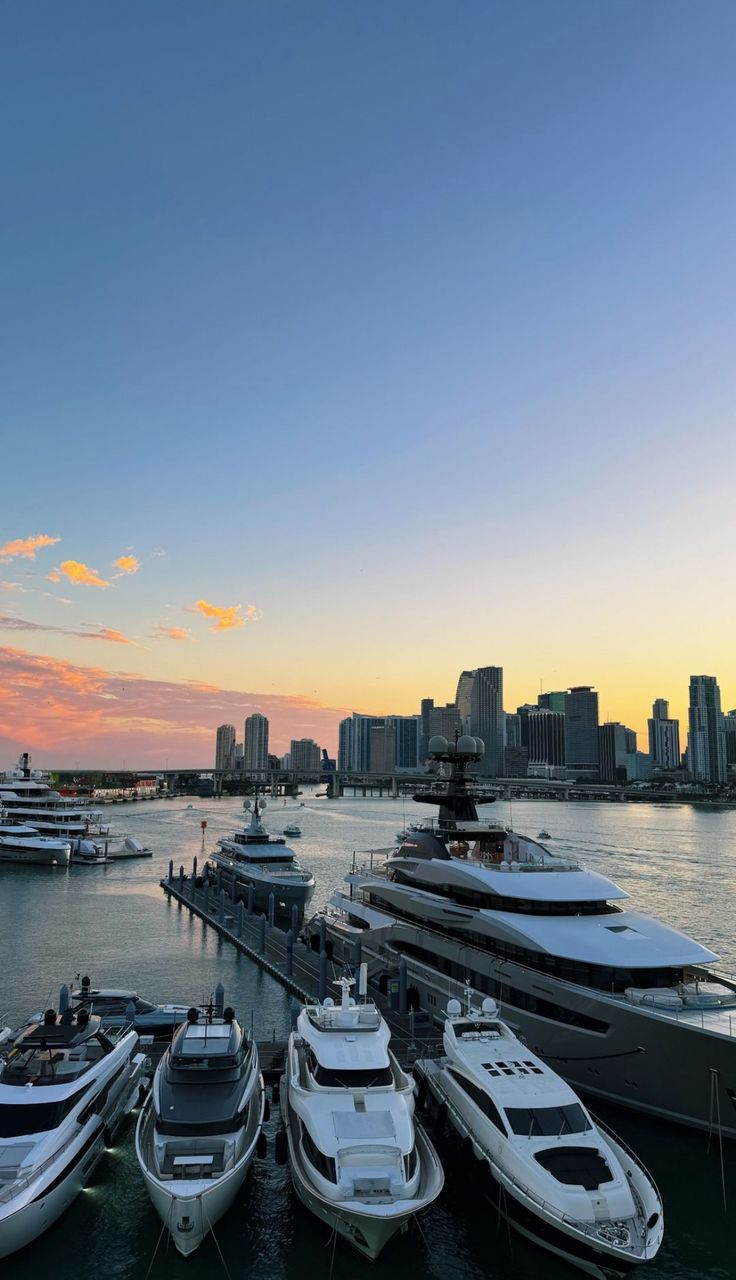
[35,857]
[28,1221]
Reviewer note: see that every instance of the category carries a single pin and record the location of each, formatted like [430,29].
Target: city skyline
[325,264]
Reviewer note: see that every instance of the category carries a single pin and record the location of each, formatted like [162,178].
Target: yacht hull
[188,1209]
[65,1178]
[285,895]
[35,857]
[368,1229]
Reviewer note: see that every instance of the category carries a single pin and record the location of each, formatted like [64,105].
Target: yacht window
[480,1098]
[322,1163]
[17,1121]
[346,1078]
[534,1122]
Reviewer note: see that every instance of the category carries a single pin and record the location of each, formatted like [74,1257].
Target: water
[114,923]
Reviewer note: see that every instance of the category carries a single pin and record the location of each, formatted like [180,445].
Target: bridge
[289,782]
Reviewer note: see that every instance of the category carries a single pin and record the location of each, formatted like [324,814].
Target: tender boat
[66,1084]
[544,835]
[632,1009]
[119,1007]
[358,1160]
[198,1131]
[557,1175]
[253,860]
[21,843]
[292,830]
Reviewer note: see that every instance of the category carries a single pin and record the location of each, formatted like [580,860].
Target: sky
[344,346]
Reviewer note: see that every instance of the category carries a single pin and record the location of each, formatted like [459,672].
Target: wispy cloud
[172,633]
[158,551]
[54,575]
[228,617]
[128,564]
[14,586]
[9,622]
[26,547]
[77,571]
[57,599]
[65,712]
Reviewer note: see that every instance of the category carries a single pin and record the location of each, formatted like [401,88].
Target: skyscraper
[255,744]
[463,698]
[581,731]
[305,755]
[664,736]
[486,715]
[225,747]
[729,724]
[406,740]
[545,734]
[554,701]
[615,744]
[383,748]
[706,740]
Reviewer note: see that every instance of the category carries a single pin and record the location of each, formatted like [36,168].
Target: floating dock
[282,954]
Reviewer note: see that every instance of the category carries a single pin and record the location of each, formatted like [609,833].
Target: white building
[255,744]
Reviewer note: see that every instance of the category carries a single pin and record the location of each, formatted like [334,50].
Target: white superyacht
[557,1176]
[621,1004]
[358,1160]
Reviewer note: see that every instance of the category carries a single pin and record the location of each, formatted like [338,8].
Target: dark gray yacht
[198,1132]
[620,1004]
[258,865]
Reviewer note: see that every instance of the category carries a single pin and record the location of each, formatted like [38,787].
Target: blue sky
[345,306]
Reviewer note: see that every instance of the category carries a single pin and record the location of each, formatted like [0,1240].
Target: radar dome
[437,745]
[328,1002]
[454,1008]
[480,746]
[489,1005]
[467,745]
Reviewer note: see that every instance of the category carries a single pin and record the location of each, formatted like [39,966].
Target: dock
[298,968]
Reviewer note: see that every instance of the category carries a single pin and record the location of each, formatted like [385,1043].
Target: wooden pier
[290,962]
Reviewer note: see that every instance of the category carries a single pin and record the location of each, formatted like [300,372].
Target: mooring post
[181,879]
[271,909]
[222,906]
[289,954]
[262,939]
[251,899]
[240,918]
[171,870]
[322,993]
[295,919]
[194,867]
[218,882]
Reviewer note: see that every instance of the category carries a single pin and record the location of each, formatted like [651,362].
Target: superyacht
[256,864]
[621,1004]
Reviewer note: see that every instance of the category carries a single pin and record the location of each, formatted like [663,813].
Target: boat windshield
[39,1117]
[547,1122]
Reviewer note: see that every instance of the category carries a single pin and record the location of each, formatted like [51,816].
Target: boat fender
[275,1092]
[281,1147]
[262,1146]
[422,1089]
[266,1111]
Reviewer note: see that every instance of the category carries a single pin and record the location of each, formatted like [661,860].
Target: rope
[153,1258]
[211,1229]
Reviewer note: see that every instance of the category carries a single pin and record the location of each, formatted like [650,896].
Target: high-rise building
[554,701]
[664,736]
[706,740]
[383,748]
[487,715]
[545,740]
[581,731]
[615,743]
[354,743]
[513,730]
[729,724]
[225,747]
[255,743]
[305,755]
[406,740]
[445,721]
[463,698]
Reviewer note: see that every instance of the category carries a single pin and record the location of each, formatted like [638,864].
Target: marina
[184,953]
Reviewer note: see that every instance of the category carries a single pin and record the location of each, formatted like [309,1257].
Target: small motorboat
[292,829]
[544,835]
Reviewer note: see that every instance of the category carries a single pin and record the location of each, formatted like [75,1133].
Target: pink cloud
[65,712]
[26,547]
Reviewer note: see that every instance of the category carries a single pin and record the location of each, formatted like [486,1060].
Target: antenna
[363,980]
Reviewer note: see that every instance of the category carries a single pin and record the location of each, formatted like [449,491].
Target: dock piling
[222,906]
[251,898]
[271,909]
[240,918]
[262,937]
[171,870]
[289,954]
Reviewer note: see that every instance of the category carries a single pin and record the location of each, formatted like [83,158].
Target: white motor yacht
[21,843]
[198,1131]
[358,1160]
[65,1087]
[252,859]
[557,1175]
[623,1005]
